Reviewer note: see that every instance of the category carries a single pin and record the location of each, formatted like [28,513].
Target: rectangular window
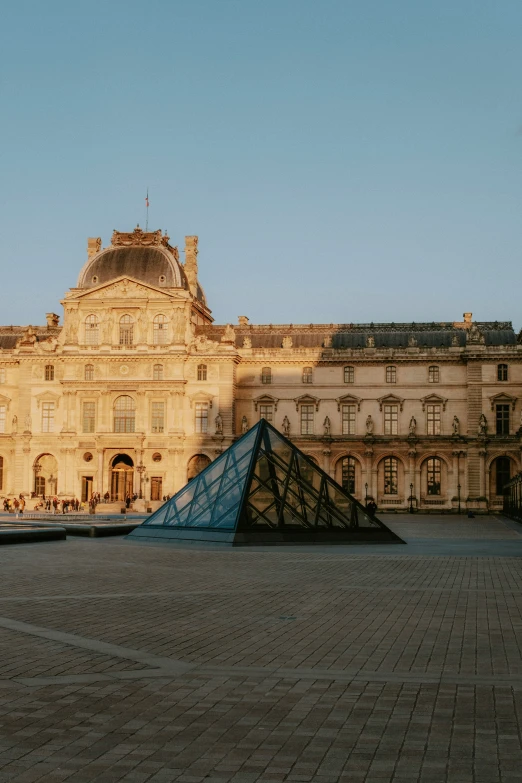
[433,419]
[349,375]
[201,417]
[2,374]
[89,416]
[47,416]
[266,375]
[433,374]
[156,488]
[2,418]
[502,372]
[266,412]
[348,419]
[391,419]
[158,417]
[502,412]
[307,419]
[307,375]
[391,375]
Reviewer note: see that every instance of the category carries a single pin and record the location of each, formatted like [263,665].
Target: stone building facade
[139,390]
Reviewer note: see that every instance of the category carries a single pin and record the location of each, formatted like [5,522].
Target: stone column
[370,477]
[327,453]
[413,478]
[27,484]
[99,478]
[482,477]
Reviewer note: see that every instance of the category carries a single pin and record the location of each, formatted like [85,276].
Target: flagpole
[147,205]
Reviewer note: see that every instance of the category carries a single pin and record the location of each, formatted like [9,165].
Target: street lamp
[140,468]
[411,498]
[366,494]
[37,469]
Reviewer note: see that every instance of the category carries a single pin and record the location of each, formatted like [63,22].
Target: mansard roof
[378,335]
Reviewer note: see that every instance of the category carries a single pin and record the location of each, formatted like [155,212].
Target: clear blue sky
[340,161]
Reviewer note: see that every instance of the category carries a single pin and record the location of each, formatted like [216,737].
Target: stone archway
[121,477]
[196,464]
[45,473]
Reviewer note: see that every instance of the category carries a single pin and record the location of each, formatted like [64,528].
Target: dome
[144,256]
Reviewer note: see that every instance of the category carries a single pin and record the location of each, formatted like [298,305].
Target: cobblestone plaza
[139,662]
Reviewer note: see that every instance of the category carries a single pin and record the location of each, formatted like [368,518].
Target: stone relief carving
[327,341]
[178,325]
[455,341]
[14,424]
[107,327]
[143,325]
[370,341]
[412,341]
[475,335]
[229,335]
[72,320]
[27,423]
[287,342]
[247,342]
[202,343]
[138,237]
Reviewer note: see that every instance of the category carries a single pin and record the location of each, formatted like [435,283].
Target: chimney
[191,263]
[52,319]
[468,317]
[242,320]
[93,246]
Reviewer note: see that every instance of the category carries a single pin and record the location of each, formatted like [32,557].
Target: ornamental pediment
[348,399]
[125,288]
[47,396]
[201,397]
[434,399]
[390,399]
[307,399]
[266,399]
[503,398]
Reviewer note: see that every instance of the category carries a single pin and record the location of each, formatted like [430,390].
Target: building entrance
[122,477]
[86,488]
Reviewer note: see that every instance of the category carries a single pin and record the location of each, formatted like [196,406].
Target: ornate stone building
[138,390]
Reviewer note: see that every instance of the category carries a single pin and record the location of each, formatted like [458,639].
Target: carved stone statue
[287,342]
[455,341]
[412,341]
[369,425]
[327,426]
[456,425]
[247,342]
[413,425]
[483,425]
[327,341]
[14,424]
[229,335]
[108,326]
[370,341]
[218,421]
[244,425]
[286,426]
[27,423]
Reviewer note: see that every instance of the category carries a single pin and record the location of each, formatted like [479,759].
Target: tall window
[49,372]
[307,375]
[1,473]
[202,417]
[2,418]
[433,419]
[124,414]
[349,374]
[157,372]
[159,332]
[126,330]
[89,416]
[502,372]
[266,375]
[391,476]
[158,417]
[391,419]
[266,412]
[47,416]
[348,419]
[391,374]
[89,372]
[202,372]
[503,473]
[433,475]
[2,374]
[502,419]
[307,419]
[433,374]
[92,330]
[348,474]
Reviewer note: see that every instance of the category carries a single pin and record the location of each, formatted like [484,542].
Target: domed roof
[145,256]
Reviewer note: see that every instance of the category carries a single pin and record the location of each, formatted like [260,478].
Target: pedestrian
[16,504]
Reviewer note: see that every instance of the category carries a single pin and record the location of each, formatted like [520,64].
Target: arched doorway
[501,472]
[196,464]
[122,477]
[45,472]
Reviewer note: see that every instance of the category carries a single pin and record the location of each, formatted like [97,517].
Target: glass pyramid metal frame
[264,490]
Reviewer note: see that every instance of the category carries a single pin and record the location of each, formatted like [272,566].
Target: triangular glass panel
[263,489]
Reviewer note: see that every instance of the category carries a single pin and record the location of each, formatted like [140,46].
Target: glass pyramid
[264,490]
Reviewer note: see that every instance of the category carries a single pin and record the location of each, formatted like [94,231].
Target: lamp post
[411,498]
[37,470]
[140,468]
[366,494]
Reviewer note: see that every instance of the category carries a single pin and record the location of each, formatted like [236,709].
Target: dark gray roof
[147,264]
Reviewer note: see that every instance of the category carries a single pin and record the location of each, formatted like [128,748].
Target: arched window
[502,473]
[348,474]
[89,372]
[49,372]
[157,372]
[502,372]
[349,374]
[126,330]
[433,374]
[160,333]
[124,414]
[92,330]
[266,375]
[307,375]
[391,476]
[433,476]
[202,372]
